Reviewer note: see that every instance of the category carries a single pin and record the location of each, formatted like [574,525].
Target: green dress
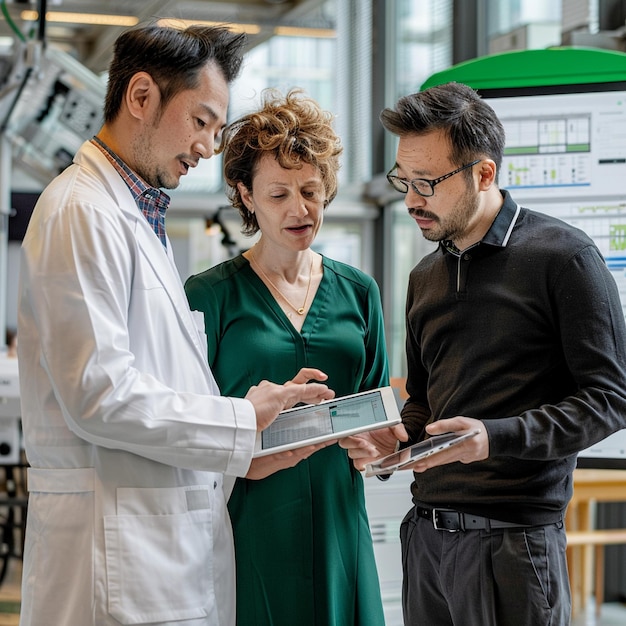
[303,546]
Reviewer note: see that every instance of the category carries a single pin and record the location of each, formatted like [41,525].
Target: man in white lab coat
[125,432]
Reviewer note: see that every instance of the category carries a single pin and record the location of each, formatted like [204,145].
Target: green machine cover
[530,68]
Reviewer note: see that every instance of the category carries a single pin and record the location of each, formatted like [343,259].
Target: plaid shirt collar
[151,202]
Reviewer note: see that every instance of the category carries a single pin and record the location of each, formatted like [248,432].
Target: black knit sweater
[524,331]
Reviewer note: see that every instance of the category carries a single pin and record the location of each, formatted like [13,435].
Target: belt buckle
[435,520]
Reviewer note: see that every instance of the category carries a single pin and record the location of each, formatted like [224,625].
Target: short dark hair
[471,125]
[173,57]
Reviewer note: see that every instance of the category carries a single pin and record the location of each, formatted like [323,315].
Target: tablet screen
[331,419]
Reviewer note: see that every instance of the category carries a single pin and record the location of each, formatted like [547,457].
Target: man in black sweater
[515,328]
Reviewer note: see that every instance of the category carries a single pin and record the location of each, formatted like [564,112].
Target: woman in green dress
[303,547]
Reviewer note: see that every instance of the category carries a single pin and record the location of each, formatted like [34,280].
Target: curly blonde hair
[295,130]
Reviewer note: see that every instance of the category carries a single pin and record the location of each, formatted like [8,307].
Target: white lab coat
[124,430]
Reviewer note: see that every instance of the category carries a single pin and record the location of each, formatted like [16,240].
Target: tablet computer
[330,419]
[433,445]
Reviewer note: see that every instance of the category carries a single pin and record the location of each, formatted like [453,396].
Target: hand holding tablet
[406,457]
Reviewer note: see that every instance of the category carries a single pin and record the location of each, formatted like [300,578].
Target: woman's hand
[374,444]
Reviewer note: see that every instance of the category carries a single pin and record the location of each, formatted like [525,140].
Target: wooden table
[590,486]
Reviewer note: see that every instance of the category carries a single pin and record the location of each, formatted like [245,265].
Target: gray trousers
[501,577]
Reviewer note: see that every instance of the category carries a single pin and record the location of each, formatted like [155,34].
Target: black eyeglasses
[422,186]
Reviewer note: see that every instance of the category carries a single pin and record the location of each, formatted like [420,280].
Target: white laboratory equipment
[10,412]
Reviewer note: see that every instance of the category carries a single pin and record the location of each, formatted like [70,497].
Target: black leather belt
[455,521]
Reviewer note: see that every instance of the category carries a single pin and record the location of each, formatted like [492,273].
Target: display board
[564,115]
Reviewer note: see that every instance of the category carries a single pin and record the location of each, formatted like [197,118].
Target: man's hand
[269,399]
[369,446]
[265,465]
[472,449]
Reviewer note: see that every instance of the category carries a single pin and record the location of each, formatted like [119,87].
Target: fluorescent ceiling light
[253,29]
[299,31]
[250,29]
[82,18]
[130,20]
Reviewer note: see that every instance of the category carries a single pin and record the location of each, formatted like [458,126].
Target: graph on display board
[565,155]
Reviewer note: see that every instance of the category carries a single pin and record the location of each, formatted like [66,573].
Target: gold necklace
[298,310]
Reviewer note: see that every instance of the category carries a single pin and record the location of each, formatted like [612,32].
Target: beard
[454,226]
[149,171]
[146,165]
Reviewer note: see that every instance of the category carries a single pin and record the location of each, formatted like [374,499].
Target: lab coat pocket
[159,555]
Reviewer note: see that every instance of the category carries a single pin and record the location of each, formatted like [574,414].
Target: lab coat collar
[159,257]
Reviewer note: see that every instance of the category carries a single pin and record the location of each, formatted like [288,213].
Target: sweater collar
[501,228]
